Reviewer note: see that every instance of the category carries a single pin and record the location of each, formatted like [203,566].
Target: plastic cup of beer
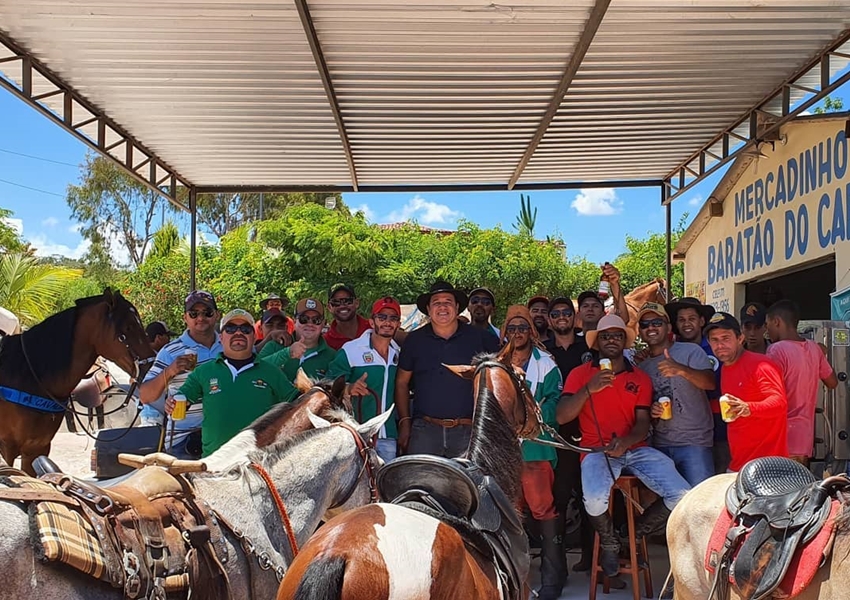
[605,364]
[179,412]
[193,360]
[724,409]
[666,408]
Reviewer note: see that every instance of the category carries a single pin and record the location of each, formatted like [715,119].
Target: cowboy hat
[439,287]
[609,322]
[673,308]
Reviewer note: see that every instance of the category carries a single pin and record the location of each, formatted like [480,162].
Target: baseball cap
[535,299]
[561,300]
[306,304]
[337,287]
[200,297]
[653,307]
[158,328]
[482,291]
[271,313]
[753,312]
[722,320]
[386,302]
[589,296]
[237,313]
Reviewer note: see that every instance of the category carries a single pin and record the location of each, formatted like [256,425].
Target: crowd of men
[703,394]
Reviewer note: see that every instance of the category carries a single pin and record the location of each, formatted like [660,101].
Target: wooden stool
[630,486]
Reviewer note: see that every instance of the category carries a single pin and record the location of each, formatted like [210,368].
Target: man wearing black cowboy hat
[439,421]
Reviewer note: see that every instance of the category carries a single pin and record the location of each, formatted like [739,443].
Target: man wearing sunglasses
[481,305]
[234,389]
[347,324]
[612,406]
[309,352]
[681,372]
[171,368]
[369,364]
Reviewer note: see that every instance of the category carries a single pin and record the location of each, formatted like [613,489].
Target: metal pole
[261,207]
[193,236]
[669,218]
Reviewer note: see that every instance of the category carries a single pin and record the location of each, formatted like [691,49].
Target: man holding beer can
[681,372]
[753,402]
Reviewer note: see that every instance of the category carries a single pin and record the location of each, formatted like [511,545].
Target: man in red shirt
[347,324]
[612,406]
[752,384]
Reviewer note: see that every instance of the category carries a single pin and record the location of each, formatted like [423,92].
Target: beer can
[667,407]
[605,364]
[179,412]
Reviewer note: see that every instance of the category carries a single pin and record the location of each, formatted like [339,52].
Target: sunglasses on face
[304,319]
[659,322]
[336,302]
[194,314]
[612,336]
[243,328]
[482,300]
[382,317]
[517,329]
[555,314]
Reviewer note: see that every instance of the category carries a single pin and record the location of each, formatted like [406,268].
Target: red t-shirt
[614,406]
[756,380]
[335,339]
[258,328]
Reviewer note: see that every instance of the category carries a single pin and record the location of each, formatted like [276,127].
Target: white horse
[312,472]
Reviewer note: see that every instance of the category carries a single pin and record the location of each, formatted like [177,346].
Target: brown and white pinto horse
[390,552]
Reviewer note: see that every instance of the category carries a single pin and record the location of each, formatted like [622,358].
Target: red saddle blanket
[803,566]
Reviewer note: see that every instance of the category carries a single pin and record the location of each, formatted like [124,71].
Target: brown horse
[654,291]
[393,551]
[41,367]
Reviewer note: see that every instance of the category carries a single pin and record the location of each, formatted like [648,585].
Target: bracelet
[401,420]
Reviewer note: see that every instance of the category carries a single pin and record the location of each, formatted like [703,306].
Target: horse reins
[368,467]
[281,507]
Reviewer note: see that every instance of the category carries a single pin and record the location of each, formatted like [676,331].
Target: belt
[447,423]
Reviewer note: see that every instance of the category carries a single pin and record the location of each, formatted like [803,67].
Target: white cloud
[76,228]
[50,222]
[597,202]
[367,212]
[16,224]
[695,201]
[425,212]
[46,247]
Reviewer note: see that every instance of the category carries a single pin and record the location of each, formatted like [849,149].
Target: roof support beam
[597,13]
[104,137]
[758,131]
[324,73]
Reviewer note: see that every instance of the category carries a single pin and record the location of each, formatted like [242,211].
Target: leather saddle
[777,505]
[460,494]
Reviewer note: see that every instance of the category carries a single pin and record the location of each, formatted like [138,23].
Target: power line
[26,187]
[50,160]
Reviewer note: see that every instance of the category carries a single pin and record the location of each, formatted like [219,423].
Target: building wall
[786,210]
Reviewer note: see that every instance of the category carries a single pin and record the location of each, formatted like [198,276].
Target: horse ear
[464,371]
[373,425]
[302,382]
[338,387]
[109,296]
[506,353]
[317,421]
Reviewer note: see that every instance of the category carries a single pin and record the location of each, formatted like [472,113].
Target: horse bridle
[522,388]
[661,289]
[368,454]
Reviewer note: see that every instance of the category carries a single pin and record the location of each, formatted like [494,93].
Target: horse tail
[322,580]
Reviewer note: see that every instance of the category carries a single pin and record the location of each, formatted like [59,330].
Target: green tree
[29,288]
[645,259]
[830,104]
[165,241]
[10,239]
[526,219]
[113,208]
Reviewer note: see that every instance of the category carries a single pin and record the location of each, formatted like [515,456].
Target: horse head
[117,332]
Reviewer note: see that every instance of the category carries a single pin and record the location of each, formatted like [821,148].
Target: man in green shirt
[235,388]
[309,352]
[370,362]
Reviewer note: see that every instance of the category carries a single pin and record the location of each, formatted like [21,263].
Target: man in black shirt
[439,420]
[569,350]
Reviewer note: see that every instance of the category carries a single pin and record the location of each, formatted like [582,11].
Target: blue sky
[593,223]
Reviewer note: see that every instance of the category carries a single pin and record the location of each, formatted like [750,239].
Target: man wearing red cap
[369,364]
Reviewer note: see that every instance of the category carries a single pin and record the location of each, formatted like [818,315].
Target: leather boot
[653,520]
[609,544]
[553,564]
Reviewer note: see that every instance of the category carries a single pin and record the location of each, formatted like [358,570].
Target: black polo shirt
[437,392]
[576,355]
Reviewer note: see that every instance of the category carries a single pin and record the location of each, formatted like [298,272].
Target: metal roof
[378,94]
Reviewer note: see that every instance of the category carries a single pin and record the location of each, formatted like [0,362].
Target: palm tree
[527,219]
[29,288]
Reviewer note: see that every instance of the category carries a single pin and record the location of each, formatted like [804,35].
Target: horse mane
[493,444]
[49,344]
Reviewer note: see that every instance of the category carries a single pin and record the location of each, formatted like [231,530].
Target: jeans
[695,463]
[654,469]
[387,448]
[430,438]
